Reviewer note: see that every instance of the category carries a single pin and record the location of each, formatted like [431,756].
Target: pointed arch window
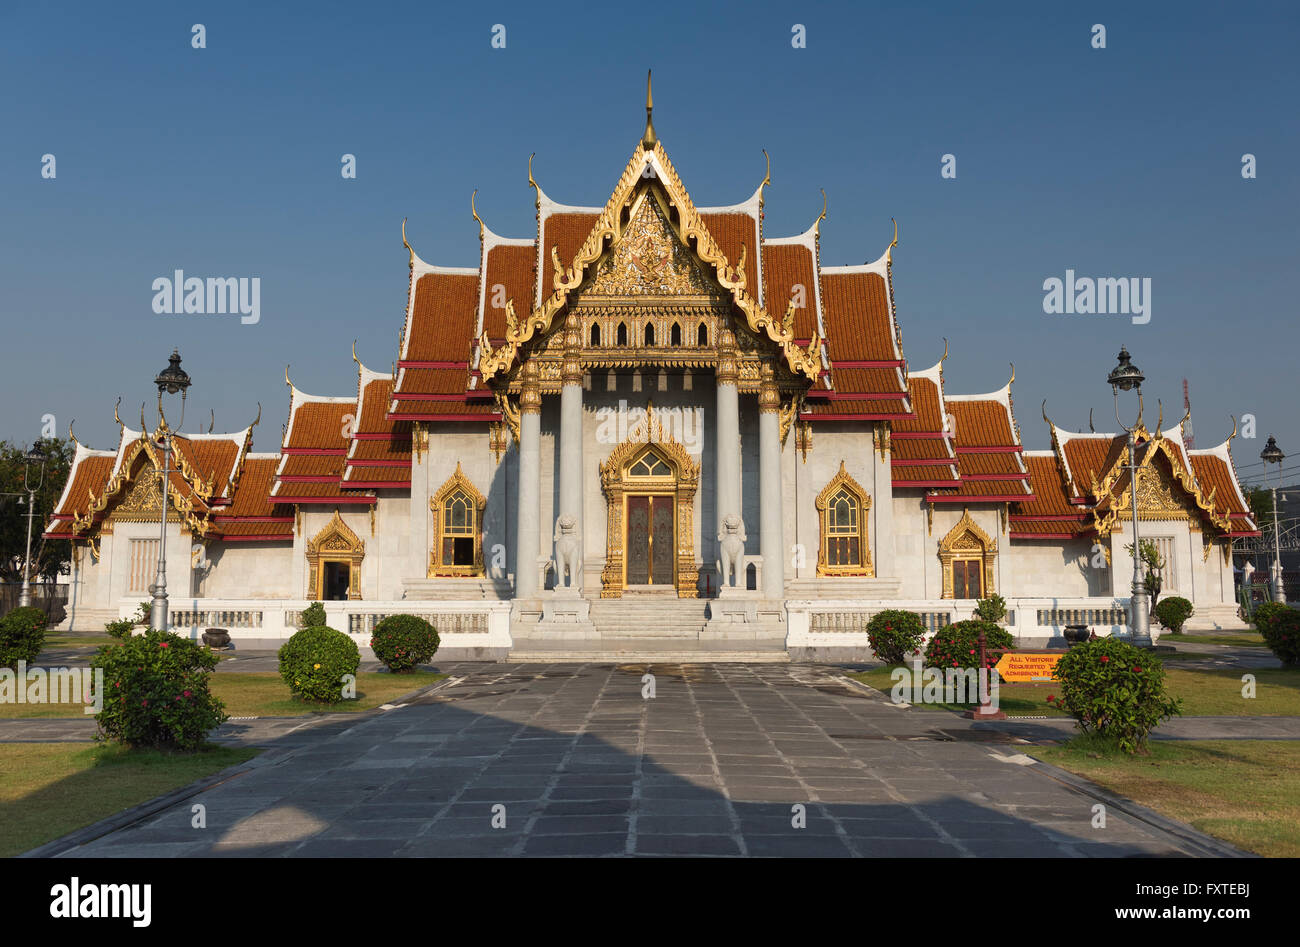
[675,337]
[621,336]
[702,335]
[649,333]
[967,556]
[457,512]
[595,334]
[842,509]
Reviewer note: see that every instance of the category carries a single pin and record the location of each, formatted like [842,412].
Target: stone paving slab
[898,783]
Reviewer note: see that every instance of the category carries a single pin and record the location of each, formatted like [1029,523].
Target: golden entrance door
[651,540]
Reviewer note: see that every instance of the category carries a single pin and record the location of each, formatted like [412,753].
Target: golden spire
[648,139]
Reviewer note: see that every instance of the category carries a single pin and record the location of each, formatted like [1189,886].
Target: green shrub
[156,692]
[1265,611]
[314,663]
[121,628]
[312,616]
[1281,632]
[404,641]
[1172,613]
[22,635]
[895,635]
[957,645]
[993,608]
[1114,690]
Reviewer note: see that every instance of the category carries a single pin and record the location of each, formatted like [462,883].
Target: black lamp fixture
[173,378]
[1125,376]
[1272,454]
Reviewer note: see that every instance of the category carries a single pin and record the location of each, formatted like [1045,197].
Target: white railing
[468,624]
[843,622]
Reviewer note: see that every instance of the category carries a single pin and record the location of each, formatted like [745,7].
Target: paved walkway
[573,760]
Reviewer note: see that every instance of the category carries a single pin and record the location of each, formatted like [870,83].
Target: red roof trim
[303,478]
[865,395]
[857,417]
[1000,449]
[328,500]
[381,437]
[410,396]
[1049,517]
[917,435]
[995,476]
[969,498]
[898,484]
[485,416]
[252,519]
[268,538]
[320,451]
[376,485]
[929,462]
[379,463]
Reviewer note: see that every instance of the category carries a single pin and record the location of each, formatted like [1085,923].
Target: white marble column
[770,521]
[727,491]
[528,530]
[571,461]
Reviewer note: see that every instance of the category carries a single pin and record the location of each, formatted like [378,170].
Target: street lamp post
[34,456]
[1272,454]
[170,380]
[1127,377]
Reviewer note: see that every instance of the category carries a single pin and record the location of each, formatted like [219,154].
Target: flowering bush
[1114,690]
[895,635]
[22,635]
[404,641]
[1172,613]
[1264,613]
[957,645]
[1281,632]
[120,629]
[314,661]
[156,692]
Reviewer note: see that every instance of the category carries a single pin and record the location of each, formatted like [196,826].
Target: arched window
[621,337]
[842,507]
[702,336]
[675,337]
[649,333]
[595,334]
[649,464]
[967,556]
[457,510]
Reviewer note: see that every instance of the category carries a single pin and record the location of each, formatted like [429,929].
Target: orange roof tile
[785,266]
[514,268]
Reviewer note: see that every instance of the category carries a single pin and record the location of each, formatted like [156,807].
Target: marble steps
[652,651]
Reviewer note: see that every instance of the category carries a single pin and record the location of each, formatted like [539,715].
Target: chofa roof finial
[648,139]
[474,210]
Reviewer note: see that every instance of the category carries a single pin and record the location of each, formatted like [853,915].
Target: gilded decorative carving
[682,485]
[649,260]
[335,543]
[967,541]
[880,439]
[690,231]
[844,481]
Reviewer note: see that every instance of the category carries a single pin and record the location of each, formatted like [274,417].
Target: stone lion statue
[731,543]
[568,552]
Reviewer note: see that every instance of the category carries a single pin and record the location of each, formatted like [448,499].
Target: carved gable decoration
[649,260]
[143,501]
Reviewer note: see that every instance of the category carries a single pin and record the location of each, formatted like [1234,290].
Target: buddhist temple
[648,419]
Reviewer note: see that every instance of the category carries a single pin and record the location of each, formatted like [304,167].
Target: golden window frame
[456,483]
[966,541]
[843,481]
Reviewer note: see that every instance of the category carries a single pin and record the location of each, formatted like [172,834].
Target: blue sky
[1115,162]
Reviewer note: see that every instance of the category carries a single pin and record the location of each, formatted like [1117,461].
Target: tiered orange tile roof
[379,451]
[314,450]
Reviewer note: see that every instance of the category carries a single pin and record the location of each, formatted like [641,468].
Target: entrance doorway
[651,540]
[336,580]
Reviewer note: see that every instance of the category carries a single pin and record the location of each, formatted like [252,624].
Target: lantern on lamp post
[1128,377]
[170,380]
[1272,454]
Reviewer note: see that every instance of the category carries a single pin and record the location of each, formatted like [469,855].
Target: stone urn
[216,638]
[1075,634]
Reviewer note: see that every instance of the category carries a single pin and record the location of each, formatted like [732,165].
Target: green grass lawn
[1246,792]
[77,639]
[1239,639]
[264,694]
[1205,693]
[50,789]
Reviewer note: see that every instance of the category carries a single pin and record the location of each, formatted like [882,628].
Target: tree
[50,557]
[1260,500]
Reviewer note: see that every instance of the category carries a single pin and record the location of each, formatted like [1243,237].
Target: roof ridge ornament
[889,250]
[474,210]
[409,248]
[944,358]
[648,139]
[1090,427]
[537,199]
[817,224]
[767,178]
[115,416]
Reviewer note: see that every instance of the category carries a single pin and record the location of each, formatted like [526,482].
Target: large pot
[216,638]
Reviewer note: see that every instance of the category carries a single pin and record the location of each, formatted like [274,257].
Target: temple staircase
[645,628]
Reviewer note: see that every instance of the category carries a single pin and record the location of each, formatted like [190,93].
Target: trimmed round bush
[958,646]
[1114,690]
[314,663]
[993,608]
[1172,613]
[1281,632]
[895,635]
[22,635]
[156,692]
[312,616]
[403,642]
